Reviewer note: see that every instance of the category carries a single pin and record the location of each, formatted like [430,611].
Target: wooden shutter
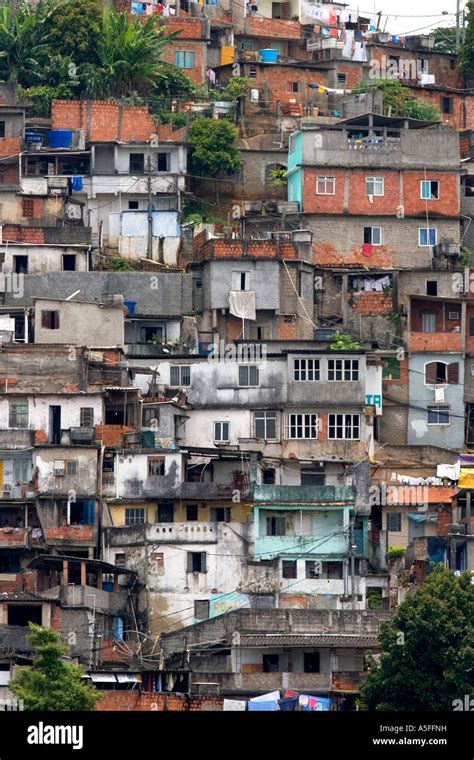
[203,562]
[453,373]
[430,373]
[189,562]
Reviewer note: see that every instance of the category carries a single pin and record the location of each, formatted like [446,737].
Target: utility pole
[150,209]
[458,25]
[352,555]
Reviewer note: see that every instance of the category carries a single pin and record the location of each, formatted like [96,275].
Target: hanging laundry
[344,17]
[367,249]
[235,705]
[242,303]
[288,703]
[263,706]
[348,44]
[325,31]
[332,17]
[360,53]
[76,184]
[310,703]
[358,35]
[334,33]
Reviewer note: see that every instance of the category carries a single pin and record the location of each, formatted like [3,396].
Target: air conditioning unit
[7,491]
[59,468]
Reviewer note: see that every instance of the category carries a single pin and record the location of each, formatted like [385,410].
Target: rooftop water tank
[60,138]
[129,305]
[268,55]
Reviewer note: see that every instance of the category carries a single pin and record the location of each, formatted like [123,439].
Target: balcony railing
[284,494]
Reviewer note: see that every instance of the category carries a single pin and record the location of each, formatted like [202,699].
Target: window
[342,78]
[302,426]
[71,467]
[276,526]
[120,560]
[20,470]
[192,512]
[427,236]
[27,207]
[221,514]
[180,375]
[373,235]
[151,417]
[163,162]
[471,326]
[391,369]
[311,662]
[69,262]
[185,59]
[252,72]
[50,320]
[265,425]
[196,562]
[269,476]
[201,609]
[325,185]
[137,163]
[343,370]
[288,568]
[18,414]
[431,288]
[394,522]
[156,466]
[428,322]
[374,186]
[259,332]
[133,205]
[271,663]
[313,477]
[345,427]
[438,415]
[221,432]
[240,280]
[294,87]
[313,569]
[135,516]
[305,370]
[429,189]
[2,129]
[86,416]
[440,373]
[165,513]
[20,264]
[446,105]
[249,376]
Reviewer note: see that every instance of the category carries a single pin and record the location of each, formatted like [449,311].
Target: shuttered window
[196,562]
[249,376]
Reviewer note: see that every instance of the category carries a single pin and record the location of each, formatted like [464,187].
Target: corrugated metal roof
[9,187]
[308,640]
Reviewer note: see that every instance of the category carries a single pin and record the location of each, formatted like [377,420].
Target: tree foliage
[342,342]
[427,649]
[51,683]
[213,147]
[466,54]
[399,100]
[74,29]
[445,39]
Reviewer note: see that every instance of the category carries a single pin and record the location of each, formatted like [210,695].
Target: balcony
[269,547]
[435,342]
[72,534]
[14,537]
[16,438]
[317,495]
[188,532]
[14,640]
[101,184]
[74,595]
[272,28]
[260,682]
[160,487]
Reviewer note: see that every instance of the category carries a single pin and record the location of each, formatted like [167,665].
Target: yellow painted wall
[239,512]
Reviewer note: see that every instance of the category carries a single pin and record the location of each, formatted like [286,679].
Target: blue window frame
[185,59]
[427,236]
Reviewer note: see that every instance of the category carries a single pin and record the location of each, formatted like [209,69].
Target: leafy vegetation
[466,54]
[427,649]
[343,342]
[51,683]
[395,552]
[213,147]
[445,39]
[399,101]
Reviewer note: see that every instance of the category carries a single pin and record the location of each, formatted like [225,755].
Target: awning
[103,677]
[129,678]
[466,477]
[419,518]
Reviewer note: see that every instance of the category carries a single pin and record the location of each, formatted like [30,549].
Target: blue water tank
[130,305]
[268,55]
[60,138]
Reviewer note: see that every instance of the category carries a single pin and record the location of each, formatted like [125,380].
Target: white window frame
[324,181]
[308,421]
[428,230]
[350,366]
[265,416]
[180,368]
[428,182]
[219,425]
[372,235]
[248,367]
[378,184]
[436,409]
[237,279]
[309,367]
[348,423]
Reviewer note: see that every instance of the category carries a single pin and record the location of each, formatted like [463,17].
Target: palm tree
[24,52]
[128,53]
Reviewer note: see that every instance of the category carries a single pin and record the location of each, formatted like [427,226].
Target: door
[55,424]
